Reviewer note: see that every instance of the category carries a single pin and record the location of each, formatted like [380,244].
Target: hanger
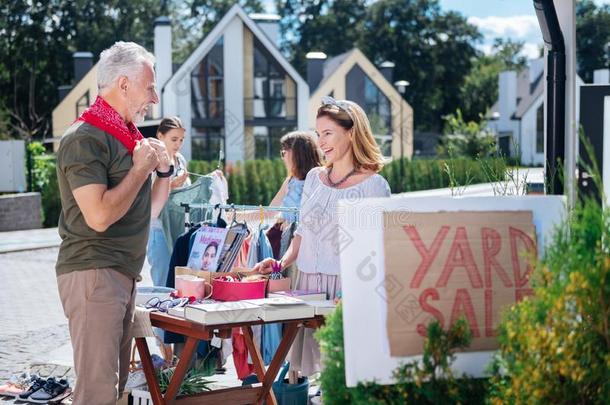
[262,215]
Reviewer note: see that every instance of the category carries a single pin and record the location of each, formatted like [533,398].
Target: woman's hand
[265,267]
[179,180]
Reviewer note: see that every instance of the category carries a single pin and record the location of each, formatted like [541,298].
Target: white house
[517,118]
[236,92]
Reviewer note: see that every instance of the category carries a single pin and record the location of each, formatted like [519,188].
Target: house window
[82,104]
[207,143]
[274,91]
[267,141]
[207,87]
[540,129]
[377,108]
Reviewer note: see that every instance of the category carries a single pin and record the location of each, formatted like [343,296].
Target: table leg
[259,365]
[290,332]
[181,368]
[149,371]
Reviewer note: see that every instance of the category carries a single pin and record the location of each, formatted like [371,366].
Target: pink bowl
[237,290]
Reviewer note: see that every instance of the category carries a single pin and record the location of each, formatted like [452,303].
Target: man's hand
[145,157]
[161,150]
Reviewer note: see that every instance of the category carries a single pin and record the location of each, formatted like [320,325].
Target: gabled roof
[527,95]
[332,64]
[208,42]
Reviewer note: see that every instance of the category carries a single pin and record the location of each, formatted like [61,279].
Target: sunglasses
[328,101]
[164,305]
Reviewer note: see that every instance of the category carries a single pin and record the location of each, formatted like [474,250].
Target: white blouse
[321,237]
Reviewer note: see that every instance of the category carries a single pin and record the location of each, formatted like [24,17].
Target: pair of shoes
[17,384]
[51,390]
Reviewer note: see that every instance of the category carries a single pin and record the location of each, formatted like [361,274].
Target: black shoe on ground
[37,384]
[51,390]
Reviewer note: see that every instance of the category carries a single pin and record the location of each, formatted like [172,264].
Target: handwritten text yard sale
[452,264]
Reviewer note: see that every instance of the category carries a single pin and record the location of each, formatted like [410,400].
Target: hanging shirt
[272,334]
[292,198]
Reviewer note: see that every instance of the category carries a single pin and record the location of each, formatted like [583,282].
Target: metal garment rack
[233,207]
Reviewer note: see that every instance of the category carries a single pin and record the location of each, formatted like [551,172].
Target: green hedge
[426,174]
[44,181]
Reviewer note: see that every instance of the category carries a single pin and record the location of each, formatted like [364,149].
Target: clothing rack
[233,207]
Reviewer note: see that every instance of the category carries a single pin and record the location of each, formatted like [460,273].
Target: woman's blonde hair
[350,116]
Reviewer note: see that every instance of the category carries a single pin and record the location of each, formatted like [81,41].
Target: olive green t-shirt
[88,155]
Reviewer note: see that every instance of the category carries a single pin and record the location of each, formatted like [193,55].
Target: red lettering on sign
[460,255]
[427,255]
[463,304]
[433,294]
[491,247]
[515,234]
[489,330]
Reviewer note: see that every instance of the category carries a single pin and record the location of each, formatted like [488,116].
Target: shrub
[466,139]
[555,346]
[432,382]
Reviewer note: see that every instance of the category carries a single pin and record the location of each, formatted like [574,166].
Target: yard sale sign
[447,265]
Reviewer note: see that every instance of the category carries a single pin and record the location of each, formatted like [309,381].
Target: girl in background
[171,133]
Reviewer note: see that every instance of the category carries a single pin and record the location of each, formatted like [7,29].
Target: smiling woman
[352,162]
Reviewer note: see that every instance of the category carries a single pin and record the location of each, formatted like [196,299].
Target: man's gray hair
[121,59]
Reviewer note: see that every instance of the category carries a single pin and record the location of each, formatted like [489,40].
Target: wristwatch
[167,173]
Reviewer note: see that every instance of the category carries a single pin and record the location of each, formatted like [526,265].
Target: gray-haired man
[103,170]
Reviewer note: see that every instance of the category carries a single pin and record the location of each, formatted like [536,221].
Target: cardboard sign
[452,264]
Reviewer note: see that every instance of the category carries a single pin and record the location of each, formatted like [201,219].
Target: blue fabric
[158,256]
[292,198]
[272,334]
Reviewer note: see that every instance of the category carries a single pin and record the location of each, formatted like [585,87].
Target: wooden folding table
[194,331]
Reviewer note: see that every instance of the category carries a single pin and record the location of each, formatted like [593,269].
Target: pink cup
[188,285]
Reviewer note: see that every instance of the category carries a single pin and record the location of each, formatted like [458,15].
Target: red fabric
[240,355]
[242,258]
[101,115]
[274,234]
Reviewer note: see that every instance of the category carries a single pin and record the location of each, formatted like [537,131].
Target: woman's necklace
[337,184]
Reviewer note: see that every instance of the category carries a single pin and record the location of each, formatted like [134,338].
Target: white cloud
[531,50]
[523,28]
[520,27]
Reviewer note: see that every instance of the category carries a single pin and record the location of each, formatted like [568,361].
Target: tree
[480,88]
[330,26]
[194,19]
[466,138]
[37,44]
[592,38]
[432,49]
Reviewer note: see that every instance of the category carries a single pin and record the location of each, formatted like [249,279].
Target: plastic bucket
[291,394]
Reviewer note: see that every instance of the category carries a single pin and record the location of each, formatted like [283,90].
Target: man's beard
[138,115]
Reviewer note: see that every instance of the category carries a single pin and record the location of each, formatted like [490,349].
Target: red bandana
[101,115]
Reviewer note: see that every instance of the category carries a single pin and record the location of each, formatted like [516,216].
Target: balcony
[271,109]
